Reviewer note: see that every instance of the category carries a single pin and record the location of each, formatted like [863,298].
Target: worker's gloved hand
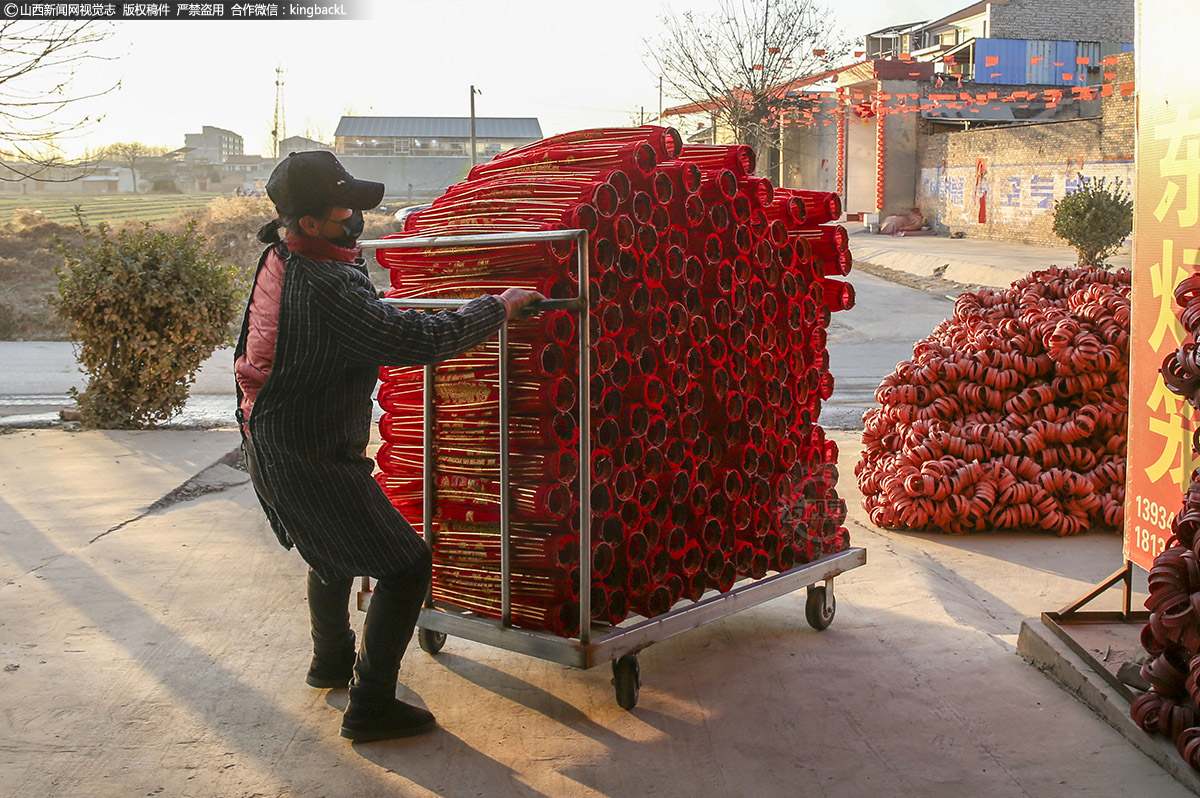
[517,299]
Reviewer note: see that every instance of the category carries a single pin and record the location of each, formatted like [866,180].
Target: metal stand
[608,643]
[1072,614]
[595,643]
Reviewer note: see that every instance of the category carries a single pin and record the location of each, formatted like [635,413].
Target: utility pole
[277,132]
[660,99]
[474,156]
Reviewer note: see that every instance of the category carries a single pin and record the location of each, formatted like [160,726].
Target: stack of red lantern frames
[711,292]
[1172,638]
[1011,415]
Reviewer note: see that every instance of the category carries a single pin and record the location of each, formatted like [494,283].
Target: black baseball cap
[309,182]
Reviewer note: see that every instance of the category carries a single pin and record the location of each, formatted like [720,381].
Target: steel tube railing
[505,498]
[530,237]
[427,411]
[579,305]
[541,306]
[585,446]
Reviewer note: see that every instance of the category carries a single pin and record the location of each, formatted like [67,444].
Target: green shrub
[1094,220]
[146,308]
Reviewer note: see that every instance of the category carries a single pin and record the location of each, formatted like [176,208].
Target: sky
[570,64]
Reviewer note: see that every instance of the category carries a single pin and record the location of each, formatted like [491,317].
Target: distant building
[302,144]
[417,157]
[982,117]
[893,41]
[431,136]
[245,172]
[889,132]
[1015,42]
[247,164]
[212,144]
[68,179]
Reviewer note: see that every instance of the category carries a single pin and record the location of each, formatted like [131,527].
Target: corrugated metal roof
[898,29]
[486,127]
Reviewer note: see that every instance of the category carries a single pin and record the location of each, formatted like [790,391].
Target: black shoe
[332,673]
[368,722]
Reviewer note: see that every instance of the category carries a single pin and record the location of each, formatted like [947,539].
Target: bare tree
[39,62]
[130,153]
[735,63]
[314,129]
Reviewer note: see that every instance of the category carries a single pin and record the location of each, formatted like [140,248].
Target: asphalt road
[865,344]
[37,377]
[867,341]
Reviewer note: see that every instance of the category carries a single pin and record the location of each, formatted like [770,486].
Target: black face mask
[352,227]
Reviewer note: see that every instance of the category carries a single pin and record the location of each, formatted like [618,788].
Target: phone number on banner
[1151,539]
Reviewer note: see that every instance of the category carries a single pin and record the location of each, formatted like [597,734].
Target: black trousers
[387,630]
[391,617]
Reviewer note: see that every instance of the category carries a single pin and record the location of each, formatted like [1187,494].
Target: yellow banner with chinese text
[1166,250]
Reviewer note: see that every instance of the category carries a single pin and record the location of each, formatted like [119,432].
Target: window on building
[367,146]
[440,147]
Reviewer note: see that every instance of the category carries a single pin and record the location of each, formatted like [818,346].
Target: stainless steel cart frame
[595,643]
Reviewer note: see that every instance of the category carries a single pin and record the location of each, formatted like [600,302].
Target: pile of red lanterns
[1172,637]
[1010,415]
[711,291]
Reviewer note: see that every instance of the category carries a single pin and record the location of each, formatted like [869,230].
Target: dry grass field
[112,209]
[30,233]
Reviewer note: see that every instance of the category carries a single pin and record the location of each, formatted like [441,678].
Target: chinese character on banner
[1180,168]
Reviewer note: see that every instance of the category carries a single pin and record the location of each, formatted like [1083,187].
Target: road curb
[1038,646]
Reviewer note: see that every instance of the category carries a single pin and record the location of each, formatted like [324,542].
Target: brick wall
[1063,20]
[1119,113]
[1001,182]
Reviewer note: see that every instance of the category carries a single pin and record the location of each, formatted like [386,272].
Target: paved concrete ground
[969,261]
[164,654]
[866,342]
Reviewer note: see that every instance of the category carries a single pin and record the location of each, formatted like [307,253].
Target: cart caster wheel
[819,608]
[431,642]
[627,677]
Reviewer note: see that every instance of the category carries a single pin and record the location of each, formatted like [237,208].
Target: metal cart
[595,643]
